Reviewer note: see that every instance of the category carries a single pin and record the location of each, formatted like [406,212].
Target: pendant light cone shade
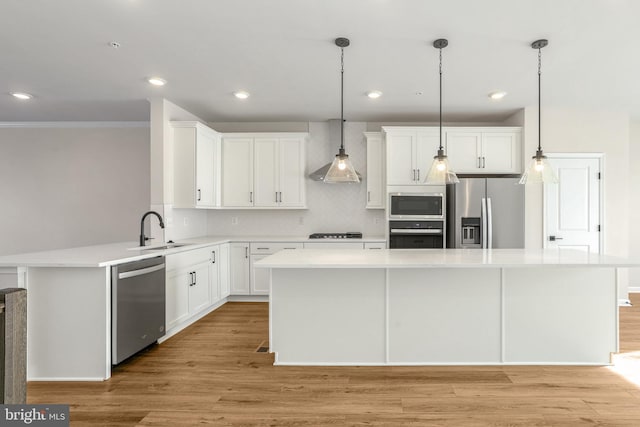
[539,169]
[341,170]
[440,171]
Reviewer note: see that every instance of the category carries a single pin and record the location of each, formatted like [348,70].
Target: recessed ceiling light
[114,45]
[241,94]
[157,81]
[497,95]
[418,93]
[22,95]
[374,94]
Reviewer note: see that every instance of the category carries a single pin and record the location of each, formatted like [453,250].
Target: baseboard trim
[248,298]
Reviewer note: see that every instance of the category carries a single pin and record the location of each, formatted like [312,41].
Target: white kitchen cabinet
[214,273]
[237,172]
[375,245]
[223,266]
[260,277]
[333,245]
[239,269]
[409,153]
[196,163]
[187,285]
[264,170]
[375,171]
[484,150]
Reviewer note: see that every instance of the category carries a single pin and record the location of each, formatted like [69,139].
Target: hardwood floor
[211,374]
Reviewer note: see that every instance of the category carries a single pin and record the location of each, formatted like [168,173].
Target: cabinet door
[375,172]
[291,168]
[237,172]
[265,154]
[427,144]
[177,298]
[500,152]
[239,268]
[260,277]
[205,161]
[223,266]
[400,162]
[199,291]
[464,151]
[214,275]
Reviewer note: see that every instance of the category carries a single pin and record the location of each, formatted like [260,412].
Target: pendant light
[341,169]
[539,169]
[441,172]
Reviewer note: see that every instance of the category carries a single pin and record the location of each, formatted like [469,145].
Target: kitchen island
[443,307]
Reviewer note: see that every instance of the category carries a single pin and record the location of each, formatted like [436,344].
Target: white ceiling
[283,53]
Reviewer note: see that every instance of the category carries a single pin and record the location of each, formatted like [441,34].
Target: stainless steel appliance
[137,306]
[485,212]
[416,206]
[347,235]
[416,234]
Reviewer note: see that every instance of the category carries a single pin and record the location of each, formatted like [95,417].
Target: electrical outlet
[301,220]
[234,220]
[185,221]
[377,221]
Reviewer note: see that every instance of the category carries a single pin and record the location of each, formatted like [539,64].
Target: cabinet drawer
[187,258]
[375,245]
[272,247]
[333,245]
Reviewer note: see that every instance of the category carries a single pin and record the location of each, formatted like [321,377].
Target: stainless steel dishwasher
[137,306]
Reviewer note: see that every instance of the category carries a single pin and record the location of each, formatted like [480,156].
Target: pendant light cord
[539,99]
[342,98]
[440,71]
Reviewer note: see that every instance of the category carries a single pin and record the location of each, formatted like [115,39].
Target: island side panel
[68,323]
[560,315]
[328,316]
[444,316]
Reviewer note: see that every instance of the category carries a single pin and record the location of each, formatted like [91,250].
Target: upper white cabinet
[263,170]
[484,150]
[196,160]
[410,152]
[375,170]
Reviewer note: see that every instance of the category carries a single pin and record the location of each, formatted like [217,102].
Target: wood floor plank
[211,374]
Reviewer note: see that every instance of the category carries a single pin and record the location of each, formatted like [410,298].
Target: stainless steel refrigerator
[485,213]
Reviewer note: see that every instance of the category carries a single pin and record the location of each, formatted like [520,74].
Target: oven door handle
[416,231]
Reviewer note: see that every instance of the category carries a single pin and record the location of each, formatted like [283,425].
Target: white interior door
[572,207]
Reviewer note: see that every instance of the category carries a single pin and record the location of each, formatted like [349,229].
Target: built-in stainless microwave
[420,206]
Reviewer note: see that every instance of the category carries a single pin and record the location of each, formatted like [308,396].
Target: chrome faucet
[143,238]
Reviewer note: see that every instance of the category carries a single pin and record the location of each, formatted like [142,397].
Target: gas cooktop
[348,235]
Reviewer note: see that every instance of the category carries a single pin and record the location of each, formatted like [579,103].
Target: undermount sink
[160,248]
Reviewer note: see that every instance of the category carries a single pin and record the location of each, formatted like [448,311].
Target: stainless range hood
[334,135]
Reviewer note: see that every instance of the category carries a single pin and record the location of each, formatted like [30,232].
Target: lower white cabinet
[223,268]
[188,290]
[260,277]
[239,269]
[333,245]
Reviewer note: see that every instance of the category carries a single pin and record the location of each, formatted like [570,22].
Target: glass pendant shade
[341,170]
[440,171]
[539,171]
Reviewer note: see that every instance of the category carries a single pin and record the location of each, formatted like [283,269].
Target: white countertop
[439,258]
[118,253]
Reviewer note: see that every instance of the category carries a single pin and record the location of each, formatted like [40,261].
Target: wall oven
[416,234]
[416,206]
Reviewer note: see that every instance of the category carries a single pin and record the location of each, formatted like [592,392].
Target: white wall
[634,204]
[66,187]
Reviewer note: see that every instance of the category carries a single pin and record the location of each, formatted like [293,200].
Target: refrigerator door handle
[483,225]
[489,225]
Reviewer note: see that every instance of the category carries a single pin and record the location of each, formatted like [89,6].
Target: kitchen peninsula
[443,307]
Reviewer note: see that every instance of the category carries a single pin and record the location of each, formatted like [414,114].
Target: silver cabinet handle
[213,254]
[483,164]
[479,163]
[246,251]
[191,278]
[368,196]
[418,175]
[199,194]
[280,192]
[276,197]
[250,196]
